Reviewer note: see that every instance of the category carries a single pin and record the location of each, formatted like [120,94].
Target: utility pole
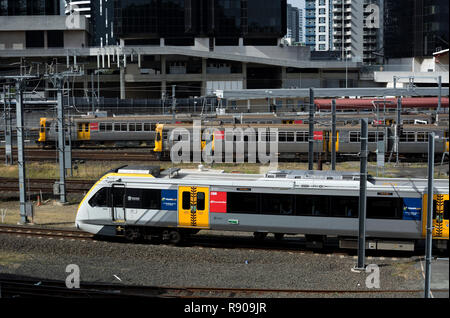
[20,151]
[8,124]
[399,125]
[173,104]
[429,238]
[61,140]
[362,195]
[439,99]
[333,135]
[311,130]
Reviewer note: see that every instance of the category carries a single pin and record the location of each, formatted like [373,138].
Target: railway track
[13,287]
[45,185]
[44,232]
[86,154]
[24,287]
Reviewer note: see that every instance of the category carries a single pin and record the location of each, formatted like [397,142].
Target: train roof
[274,180]
[364,103]
[296,126]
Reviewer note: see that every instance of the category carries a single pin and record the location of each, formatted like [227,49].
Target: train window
[123,127]
[201,201]
[147,127]
[344,206]
[446,209]
[86,127]
[138,127]
[372,136]
[312,205]
[267,136]
[228,136]
[422,137]
[108,127]
[151,198]
[102,127]
[250,136]
[301,136]
[277,204]
[133,198]
[186,200]
[80,127]
[290,136]
[282,136]
[100,199]
[384,208]
[118,196]
[271,136]
[242,202]
[408,136]
[263,135]
[355,136]
[132,127]
[116,127]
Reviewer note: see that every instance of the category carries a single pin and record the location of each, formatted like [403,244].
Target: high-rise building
[415,27]
[357,29]
[178,22]
[301,25]
[318,25]
[29,7]
[293,19]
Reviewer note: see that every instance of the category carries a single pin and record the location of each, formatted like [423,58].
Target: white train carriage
[146,203]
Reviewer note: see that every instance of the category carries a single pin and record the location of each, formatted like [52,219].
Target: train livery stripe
[218,203]
[169,200]
[412,209]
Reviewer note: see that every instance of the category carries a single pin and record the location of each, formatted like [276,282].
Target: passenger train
[140,129]
[293,140]
[169,205]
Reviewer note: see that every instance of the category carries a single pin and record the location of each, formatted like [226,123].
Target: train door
[440,216]
[193,207]
[83,132]
[118,202]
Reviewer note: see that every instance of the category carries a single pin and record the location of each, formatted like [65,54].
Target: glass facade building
[186,19]
[29,7]
[415,27]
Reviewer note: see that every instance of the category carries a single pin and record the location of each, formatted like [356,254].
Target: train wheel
[175,237]
[259,236]
[132,234]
